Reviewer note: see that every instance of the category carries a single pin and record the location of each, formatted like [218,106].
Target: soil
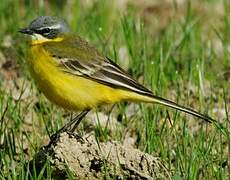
[87,158]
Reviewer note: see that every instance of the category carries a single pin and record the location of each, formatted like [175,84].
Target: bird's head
[46,28]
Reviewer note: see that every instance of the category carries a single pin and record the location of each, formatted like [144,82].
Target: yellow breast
[68,91]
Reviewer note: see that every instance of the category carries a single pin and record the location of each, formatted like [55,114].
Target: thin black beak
[26,31]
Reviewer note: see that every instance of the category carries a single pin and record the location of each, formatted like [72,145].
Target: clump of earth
[86,158]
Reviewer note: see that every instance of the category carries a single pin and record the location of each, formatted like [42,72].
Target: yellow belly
[68,91]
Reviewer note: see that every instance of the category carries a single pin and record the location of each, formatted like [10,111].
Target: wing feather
[106,73]
[85,61]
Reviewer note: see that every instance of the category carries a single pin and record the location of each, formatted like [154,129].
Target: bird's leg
[67,127]
[76,121]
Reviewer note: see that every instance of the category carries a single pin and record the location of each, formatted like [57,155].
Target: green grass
[187,60]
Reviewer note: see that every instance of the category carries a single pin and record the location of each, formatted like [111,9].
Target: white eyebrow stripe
[56,26]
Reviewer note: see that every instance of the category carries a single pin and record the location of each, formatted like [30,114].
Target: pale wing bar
[106,73]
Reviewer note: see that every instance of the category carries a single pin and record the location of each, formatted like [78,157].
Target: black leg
[67,127]
[78,119]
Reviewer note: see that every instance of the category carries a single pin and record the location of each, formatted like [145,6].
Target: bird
[74,75]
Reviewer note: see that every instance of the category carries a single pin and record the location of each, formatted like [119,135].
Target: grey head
[47,26]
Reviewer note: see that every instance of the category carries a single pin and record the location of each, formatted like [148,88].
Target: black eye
[44,31]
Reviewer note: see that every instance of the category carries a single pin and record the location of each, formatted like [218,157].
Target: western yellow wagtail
[74,75]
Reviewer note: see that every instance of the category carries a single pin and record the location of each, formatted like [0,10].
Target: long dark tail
[174,105]
[159,100]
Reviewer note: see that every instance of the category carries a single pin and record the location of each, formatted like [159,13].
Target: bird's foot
[69,128]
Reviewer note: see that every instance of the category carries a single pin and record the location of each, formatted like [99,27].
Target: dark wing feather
[77,57]
[105,73]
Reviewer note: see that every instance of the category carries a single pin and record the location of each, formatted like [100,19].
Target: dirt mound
[88,159]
